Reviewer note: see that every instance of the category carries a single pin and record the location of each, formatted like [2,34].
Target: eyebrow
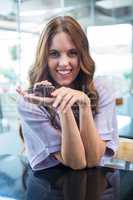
[58,50]
[53,50]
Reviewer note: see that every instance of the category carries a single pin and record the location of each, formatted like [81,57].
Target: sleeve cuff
[43,160]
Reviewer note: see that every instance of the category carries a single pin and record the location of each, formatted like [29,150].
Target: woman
[77,125]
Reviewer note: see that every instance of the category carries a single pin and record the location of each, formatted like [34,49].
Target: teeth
[64,72]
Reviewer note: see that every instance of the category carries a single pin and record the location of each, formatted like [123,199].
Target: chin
[65,84]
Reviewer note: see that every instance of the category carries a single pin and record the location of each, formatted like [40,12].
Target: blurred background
[109,28]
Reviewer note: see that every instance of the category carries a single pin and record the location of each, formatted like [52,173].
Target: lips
[64,72]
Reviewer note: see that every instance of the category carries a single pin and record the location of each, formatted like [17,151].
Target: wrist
[84,107]
[65,112]
[85,103]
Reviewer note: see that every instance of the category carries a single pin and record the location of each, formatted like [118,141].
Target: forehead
[62,40]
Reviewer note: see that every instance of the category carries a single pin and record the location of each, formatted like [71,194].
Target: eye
[54,54]
[73,53]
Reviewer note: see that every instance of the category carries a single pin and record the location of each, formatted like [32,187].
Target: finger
[42,83]
[58,99]
[55,92]
[20,91]
[46,82]
[65,101]
[27,97]
[70,104]
[59,90]
[42,100]
[39,100]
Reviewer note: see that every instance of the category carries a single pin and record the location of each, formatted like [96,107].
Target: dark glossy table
[18,181]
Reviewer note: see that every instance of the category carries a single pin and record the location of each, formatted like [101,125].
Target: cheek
[75,63]
[52,65]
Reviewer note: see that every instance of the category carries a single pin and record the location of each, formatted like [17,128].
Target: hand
[32,98]
[65,98]
[42,83]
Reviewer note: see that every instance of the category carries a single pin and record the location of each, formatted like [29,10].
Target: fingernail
[54,105]
[52,93]
[58,111]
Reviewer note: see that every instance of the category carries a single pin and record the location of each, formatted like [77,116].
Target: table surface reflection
[18,181]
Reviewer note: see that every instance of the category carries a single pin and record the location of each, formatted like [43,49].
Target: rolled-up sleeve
[105,120]
[40,137]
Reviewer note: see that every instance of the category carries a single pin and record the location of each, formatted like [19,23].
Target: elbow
[93,162]
[79,166]
[76,165]
[94,159]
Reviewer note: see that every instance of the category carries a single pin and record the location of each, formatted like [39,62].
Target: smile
[64,72]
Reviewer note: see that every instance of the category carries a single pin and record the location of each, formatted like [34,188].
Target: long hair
[40,71]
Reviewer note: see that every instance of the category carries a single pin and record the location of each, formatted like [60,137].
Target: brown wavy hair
[40,70]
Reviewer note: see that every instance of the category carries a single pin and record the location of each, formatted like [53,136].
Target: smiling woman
[76,124]
[63,59]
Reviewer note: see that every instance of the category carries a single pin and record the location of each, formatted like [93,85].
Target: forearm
[72,149]
[93,144]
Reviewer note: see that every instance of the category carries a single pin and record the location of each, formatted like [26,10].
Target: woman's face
[63,60]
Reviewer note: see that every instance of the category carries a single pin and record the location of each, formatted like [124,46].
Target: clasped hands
[62,98]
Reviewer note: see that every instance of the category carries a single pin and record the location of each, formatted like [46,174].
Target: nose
[64,60]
